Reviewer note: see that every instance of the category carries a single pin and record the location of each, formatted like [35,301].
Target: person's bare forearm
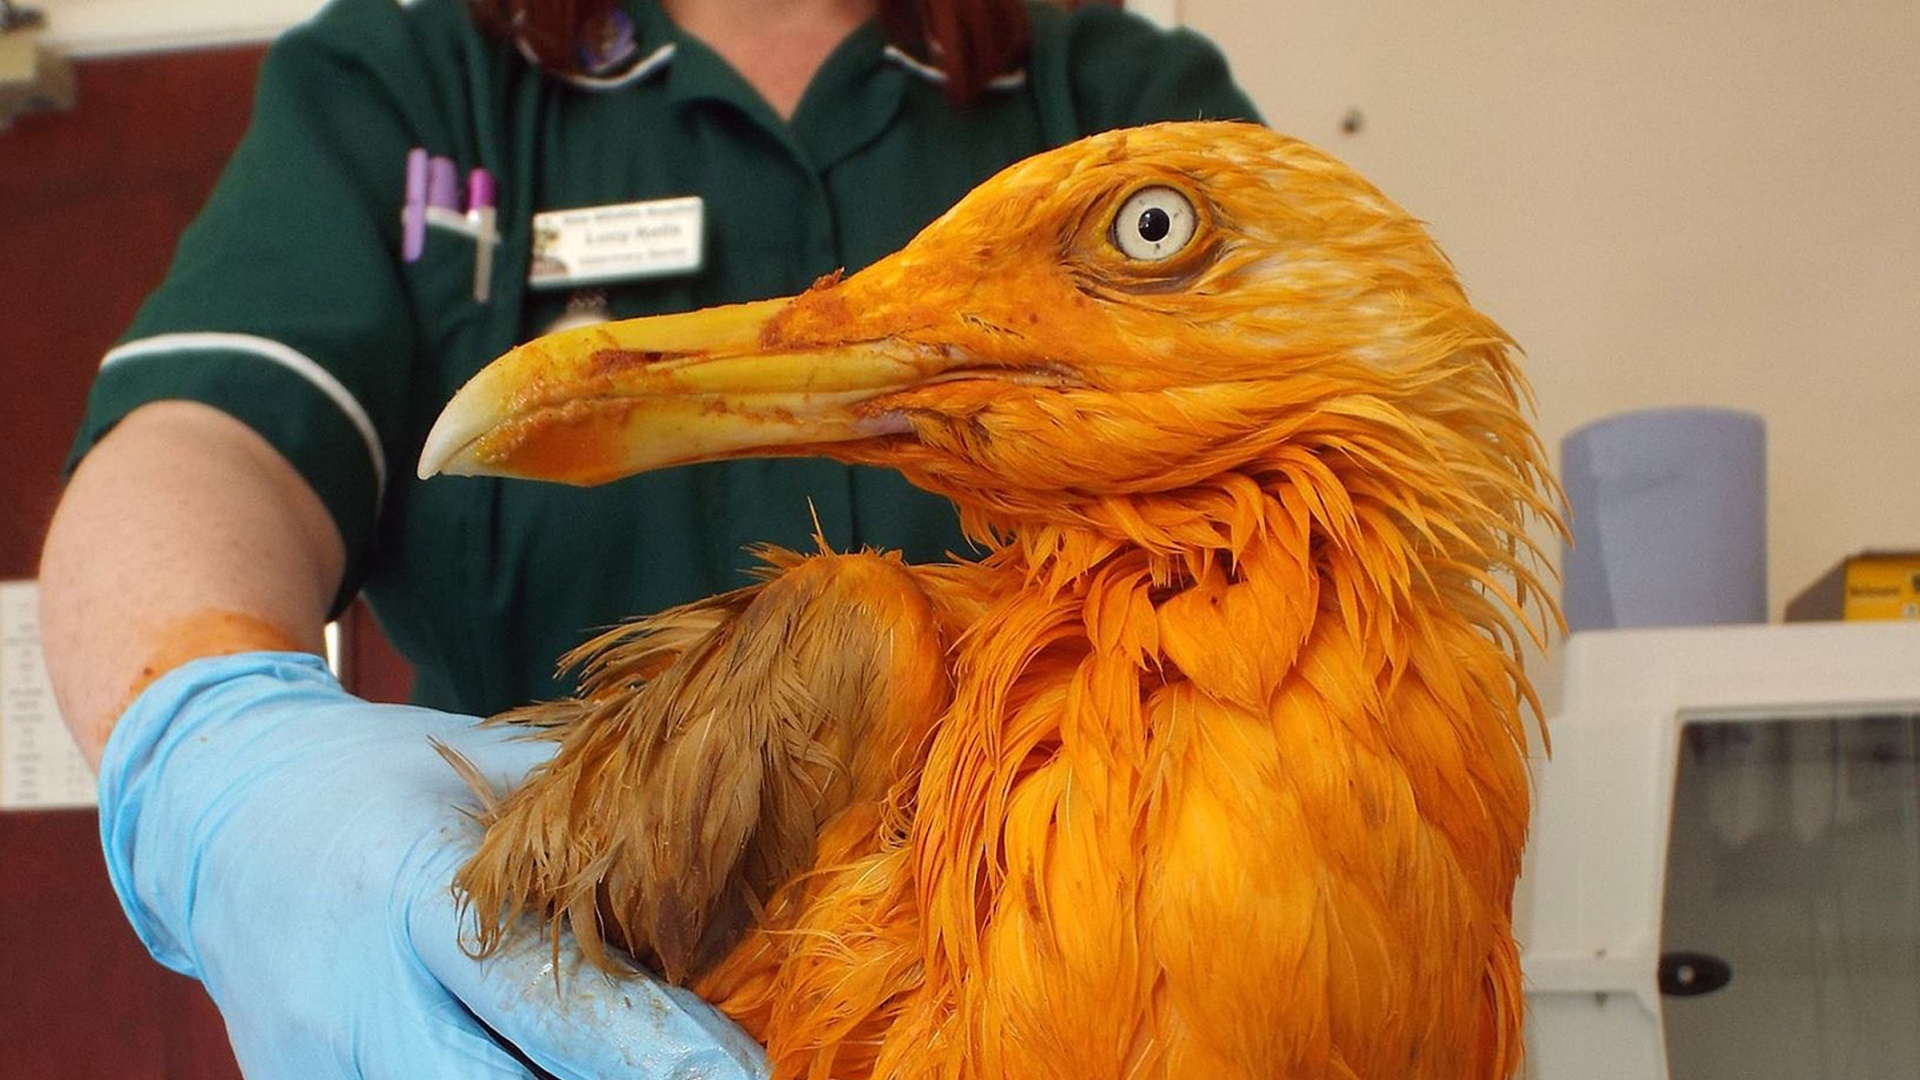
[182,534]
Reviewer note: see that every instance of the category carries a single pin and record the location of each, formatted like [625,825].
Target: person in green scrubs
[424,186]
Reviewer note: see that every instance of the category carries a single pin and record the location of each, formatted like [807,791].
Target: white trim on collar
[1012,80]
[653,62]
[659,58]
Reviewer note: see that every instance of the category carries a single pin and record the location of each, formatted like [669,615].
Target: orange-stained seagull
[1213,766]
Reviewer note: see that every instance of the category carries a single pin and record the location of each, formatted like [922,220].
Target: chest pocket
[448,294]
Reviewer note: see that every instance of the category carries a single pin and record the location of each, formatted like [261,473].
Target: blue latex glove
[292,846]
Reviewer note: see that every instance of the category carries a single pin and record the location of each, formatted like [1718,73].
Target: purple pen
[480,218]
[413,213]
[443,184]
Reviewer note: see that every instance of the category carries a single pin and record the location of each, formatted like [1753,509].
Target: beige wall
[1686,202]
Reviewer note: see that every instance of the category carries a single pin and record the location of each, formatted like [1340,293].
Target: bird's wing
[707,747]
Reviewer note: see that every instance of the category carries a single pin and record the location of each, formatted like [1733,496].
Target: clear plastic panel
[1795,862]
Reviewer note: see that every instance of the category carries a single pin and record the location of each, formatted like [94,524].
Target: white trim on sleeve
[275,352]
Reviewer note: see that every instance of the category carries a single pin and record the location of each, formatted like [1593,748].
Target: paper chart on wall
[40,768]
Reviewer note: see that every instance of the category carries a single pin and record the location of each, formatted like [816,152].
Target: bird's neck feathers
[1385,527]
[1349,490]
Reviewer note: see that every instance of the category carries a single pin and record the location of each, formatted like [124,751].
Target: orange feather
[1213,766]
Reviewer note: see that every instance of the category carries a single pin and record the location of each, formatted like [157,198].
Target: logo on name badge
[624,242]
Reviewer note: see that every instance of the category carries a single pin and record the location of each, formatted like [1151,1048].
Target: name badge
[624,242]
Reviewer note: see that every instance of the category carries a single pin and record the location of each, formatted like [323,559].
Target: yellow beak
[595,403]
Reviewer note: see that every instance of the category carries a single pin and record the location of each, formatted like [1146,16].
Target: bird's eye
[1153,224]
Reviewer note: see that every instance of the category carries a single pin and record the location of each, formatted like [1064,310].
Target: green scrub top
[289,304]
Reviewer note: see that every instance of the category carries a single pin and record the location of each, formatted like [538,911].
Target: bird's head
[1136,315]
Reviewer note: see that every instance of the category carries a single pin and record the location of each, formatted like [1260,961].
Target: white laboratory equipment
[1724,874]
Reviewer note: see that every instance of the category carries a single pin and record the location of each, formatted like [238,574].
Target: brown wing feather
[706,748]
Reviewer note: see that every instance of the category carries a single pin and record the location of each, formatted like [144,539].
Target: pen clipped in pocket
[433,204]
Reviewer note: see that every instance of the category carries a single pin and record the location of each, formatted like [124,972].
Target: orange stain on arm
[207,633]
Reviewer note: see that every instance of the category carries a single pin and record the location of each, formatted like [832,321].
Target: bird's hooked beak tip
[446,450]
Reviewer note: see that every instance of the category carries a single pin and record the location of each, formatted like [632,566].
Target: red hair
[973,41]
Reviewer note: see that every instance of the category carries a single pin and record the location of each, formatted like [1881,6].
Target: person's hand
[293,846]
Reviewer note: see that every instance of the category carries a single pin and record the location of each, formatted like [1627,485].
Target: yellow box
[1870,585]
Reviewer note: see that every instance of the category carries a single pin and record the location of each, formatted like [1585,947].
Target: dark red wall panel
[91,201]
